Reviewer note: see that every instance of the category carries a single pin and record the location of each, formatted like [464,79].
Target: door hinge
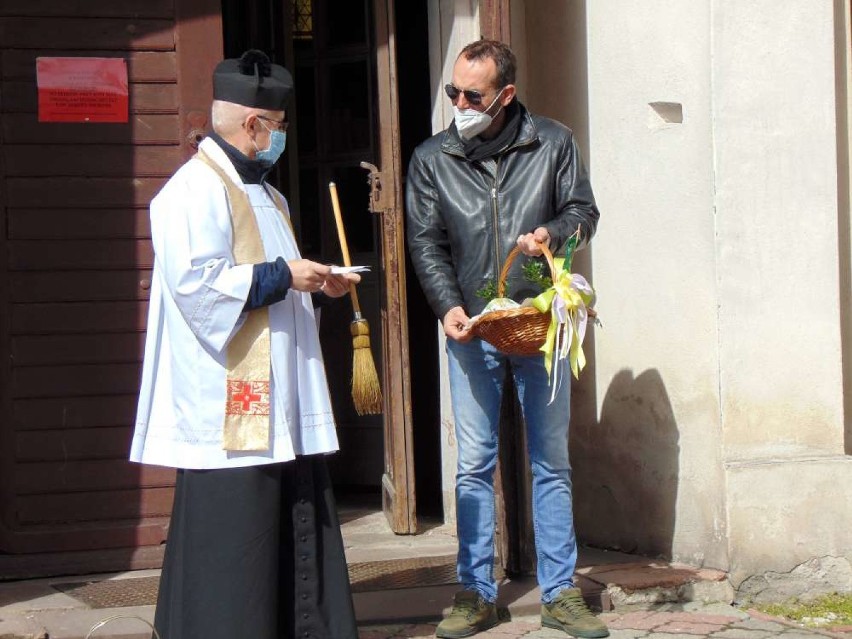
[375,182]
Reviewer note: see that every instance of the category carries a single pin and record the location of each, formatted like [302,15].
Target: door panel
[329,46]
[333,125]
[75,268]
[513,481]
[342,53]
[398,497]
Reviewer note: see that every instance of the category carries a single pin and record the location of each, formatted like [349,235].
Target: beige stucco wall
[649,471]
[779,251]
[710,424]
[776,169]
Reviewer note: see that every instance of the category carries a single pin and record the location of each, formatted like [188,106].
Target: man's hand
[308,276]
[338,285]
[454,322]
[529,243]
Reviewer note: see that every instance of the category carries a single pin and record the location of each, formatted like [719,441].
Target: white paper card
[340,270]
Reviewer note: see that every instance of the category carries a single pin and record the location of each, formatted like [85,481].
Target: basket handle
[104,622]
[501,283]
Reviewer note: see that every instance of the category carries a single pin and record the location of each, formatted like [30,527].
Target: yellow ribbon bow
[568,301]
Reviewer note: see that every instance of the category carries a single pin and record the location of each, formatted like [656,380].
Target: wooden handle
[338,218]
[344,247]
[501,282]
[501,285]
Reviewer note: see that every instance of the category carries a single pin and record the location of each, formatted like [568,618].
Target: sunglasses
[471,95]
[281,125]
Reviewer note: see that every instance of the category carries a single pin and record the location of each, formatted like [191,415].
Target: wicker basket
[515,331]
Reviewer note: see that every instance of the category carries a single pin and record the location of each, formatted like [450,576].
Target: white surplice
[197,299]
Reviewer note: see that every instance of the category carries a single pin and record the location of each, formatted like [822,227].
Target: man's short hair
[502,55]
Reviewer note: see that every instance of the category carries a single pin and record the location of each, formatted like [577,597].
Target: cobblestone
[666,622]
[760,624]
[627,633]
[742,633]
[515,627]
[419,630]
[688,628]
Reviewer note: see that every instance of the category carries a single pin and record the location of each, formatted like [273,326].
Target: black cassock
[255,553]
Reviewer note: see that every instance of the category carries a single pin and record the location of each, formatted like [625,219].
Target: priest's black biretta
[253,81]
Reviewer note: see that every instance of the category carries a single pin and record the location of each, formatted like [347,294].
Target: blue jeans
[477,371]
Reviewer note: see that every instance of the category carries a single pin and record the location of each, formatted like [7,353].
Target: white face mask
[470,122]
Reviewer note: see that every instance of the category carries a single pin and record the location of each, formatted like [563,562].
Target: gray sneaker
[470,614]
[569,613]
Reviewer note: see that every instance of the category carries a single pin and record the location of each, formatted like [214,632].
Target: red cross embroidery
[244,395]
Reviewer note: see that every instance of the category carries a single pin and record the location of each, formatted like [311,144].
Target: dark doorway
[329,46]
[415,126]
[332,64]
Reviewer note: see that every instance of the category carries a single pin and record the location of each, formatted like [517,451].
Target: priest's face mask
[276,131]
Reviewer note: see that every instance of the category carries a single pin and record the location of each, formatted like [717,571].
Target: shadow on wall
[625,465]
[626,468]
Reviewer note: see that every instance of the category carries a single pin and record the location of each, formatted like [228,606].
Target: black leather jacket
[464,217]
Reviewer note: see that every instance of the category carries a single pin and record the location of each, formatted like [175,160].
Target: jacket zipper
[495,220]
[494,213]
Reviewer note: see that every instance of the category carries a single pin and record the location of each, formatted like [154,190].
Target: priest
[234,393]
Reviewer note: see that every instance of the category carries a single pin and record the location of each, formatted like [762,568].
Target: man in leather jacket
[496,178]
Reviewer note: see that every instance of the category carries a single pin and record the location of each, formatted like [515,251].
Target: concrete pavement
[653,600]
[662,621]
[640,597]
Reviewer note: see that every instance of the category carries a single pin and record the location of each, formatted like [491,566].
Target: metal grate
[364,576]
[115,593]
[402,573]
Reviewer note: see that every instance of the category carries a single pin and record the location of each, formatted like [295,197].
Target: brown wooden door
[333,130]
[346,114]
[513,480]
[75,260]
[398,497]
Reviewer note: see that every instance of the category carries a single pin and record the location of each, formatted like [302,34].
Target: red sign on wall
[82,89]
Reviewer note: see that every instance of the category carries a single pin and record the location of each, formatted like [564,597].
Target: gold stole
[247,390]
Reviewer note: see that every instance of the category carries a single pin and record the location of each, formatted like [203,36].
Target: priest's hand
[308,276]
[338,285]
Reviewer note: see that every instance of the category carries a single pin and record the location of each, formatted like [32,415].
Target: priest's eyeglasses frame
[281,125]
